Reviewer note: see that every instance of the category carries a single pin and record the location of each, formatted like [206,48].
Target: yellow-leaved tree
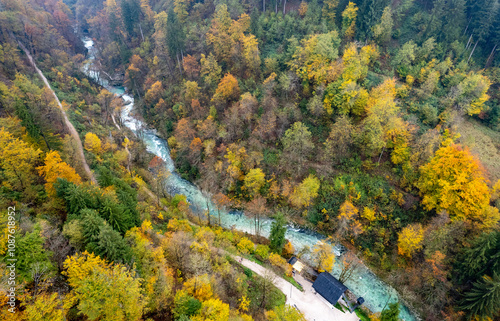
[92,143]
[46,306]
[410,239]
[55,168]
[349,20]
[305,192]
[285,312]
[199,287]
[323,256]
[348,220]
[17,161]
[227,89]
[254,180]
[453,181]
[102,291]
[213,310]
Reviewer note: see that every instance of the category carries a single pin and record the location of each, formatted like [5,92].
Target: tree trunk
[263,5]
[468,42]
[284,7]
[178,63]
[208,213]
[472,52]
[142,35]
[378,163]
[465,31]
[492,54]
[45,140]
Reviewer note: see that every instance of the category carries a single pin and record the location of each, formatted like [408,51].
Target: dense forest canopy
[375,123]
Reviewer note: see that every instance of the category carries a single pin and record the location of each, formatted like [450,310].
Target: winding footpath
[71,128]
[312,305]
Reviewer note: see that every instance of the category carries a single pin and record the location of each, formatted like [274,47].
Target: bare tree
[266,286]
[350,264]
[257,208]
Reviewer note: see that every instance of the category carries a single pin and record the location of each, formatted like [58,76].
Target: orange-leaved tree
[227,89]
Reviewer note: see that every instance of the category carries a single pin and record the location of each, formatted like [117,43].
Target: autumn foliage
[453,181]
[54,168]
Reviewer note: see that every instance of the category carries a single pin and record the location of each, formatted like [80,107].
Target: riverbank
[364,282]
[312,305]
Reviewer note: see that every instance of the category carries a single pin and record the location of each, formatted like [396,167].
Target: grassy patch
[284,276]
[264,295]
[362,315]
[292,280]
[483,142]
[338,306]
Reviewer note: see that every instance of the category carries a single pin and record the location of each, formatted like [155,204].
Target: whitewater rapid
[364,283]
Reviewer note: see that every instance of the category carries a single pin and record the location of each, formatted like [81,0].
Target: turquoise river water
[364,283]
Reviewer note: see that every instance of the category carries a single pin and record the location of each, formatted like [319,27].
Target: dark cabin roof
[292,260]
[329,287]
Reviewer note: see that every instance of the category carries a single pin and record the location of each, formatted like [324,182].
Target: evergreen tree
[454,22]
[481,14]
[483,299]
[390,314]
[175,35]
[370,13]
[110,244]
[436,20]
[277,236]
[131,10]
[483,257]
[92,223]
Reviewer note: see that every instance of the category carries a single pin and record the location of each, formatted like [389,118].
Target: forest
[374,123]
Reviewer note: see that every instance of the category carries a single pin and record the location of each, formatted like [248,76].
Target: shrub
[262,252]
[245,246]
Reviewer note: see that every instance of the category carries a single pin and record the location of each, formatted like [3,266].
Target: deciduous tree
[55,168]
[285,312]
[92,143]
[191,66]
[303,194]
[17,160]
[101,290]
[349,20]
[297,144]
[214,310]
[410,240]
[228,89]
[383,30]
[210,70]
[323,256]
[254,180]
[453,181]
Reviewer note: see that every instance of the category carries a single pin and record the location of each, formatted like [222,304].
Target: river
[364,283]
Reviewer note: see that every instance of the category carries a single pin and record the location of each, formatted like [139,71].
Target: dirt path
[70,126]
[312,305]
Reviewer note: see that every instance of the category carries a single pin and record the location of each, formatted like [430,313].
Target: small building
[329,287]
[296,264]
